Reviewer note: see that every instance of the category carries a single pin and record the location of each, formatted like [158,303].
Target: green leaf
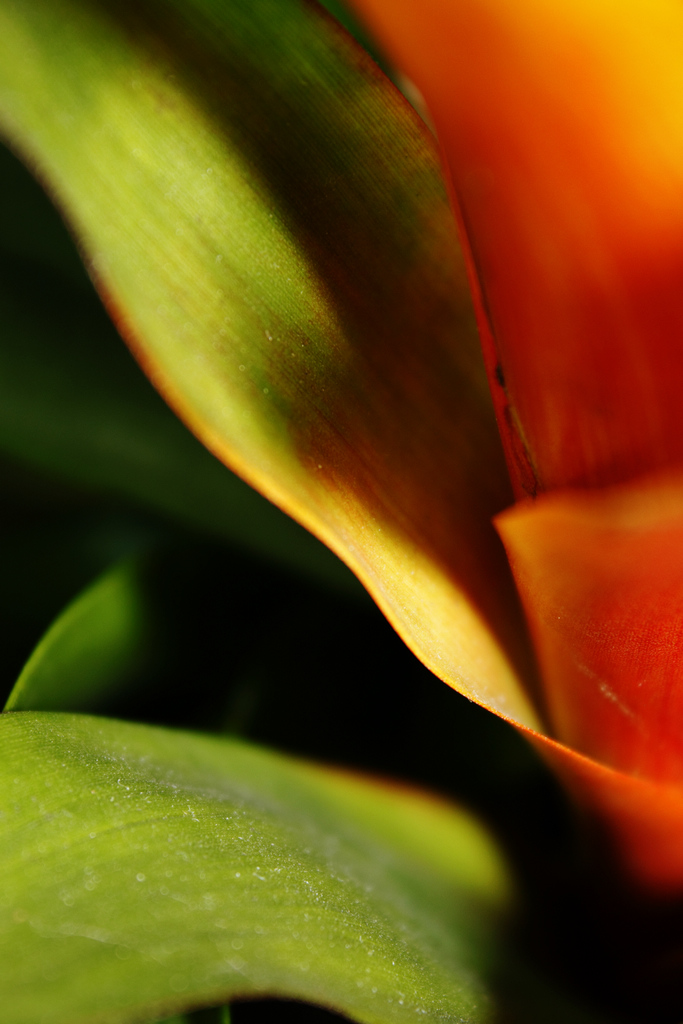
[266,220]
[96,645]
[146,872]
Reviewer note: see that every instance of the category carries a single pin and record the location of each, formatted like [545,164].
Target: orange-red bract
[561,125]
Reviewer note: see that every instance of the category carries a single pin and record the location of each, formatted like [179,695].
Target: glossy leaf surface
[145,871]
[296,294]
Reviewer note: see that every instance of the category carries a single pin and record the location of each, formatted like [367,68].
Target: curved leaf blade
[146,871]
[268,222]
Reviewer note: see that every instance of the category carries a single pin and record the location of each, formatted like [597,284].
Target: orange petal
[601,578]
[562,123]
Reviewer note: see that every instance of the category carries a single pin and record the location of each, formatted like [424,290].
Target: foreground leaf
[266,219]
[146,871]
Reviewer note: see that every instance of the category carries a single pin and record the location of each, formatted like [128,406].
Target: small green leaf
[146,872]
[96,645]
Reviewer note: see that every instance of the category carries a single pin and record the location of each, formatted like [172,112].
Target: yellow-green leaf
[265,217]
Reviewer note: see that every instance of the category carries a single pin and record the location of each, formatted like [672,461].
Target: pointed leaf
[96,645]
[266,218]
[145,871]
